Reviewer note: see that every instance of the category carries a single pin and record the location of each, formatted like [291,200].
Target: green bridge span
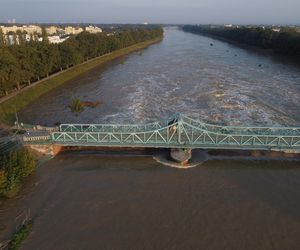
[177,131]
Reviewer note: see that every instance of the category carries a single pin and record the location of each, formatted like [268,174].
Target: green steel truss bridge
[178,131]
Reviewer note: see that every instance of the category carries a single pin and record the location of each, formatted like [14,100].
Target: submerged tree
[76,106]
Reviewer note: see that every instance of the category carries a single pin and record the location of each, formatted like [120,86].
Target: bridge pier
[180,155]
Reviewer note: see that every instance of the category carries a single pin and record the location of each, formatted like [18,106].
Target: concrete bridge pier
[181,155]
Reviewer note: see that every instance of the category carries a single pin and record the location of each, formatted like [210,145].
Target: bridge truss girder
[183,133]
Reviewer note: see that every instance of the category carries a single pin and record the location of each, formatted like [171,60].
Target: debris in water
[91,104]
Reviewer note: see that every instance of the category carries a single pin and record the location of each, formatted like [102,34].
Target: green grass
[20,236]
[18,102]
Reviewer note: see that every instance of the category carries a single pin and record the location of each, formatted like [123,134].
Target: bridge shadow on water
[259,164]
[279,160]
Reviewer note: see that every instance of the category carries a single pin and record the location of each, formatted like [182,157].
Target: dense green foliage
[30,61]
[285,42]
[20,236]
[19,101]
[14,167]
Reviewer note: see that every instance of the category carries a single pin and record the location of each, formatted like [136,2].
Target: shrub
[76,106]
[15,166]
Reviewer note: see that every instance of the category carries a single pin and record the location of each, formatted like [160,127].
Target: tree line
[285,42]
[22,64]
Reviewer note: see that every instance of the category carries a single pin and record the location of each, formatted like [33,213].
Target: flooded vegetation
[77,106]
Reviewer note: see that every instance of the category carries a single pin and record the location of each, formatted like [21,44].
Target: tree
[285,42]
[20,36]
[24,55]
[2,38]
[23,61]
[9,71]
[70,55]
[45,35]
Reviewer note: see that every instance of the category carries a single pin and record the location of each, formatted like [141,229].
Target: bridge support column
[180,155]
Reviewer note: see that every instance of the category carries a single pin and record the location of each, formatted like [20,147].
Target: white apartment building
[56,39]
[51,30]
[276,30]
[30,29]
[69,30]
[93,29]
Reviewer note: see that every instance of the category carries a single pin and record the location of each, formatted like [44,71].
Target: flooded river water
[221,83]
[84,200]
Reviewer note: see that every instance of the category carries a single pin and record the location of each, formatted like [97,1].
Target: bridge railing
[123,128]
[257,130]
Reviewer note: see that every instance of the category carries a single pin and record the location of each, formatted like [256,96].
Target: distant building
[56,39]
[29,29]
[110,34]
[34,32]
[93,29]
[11,40]
[51,30]
[28,38]
[69,30]
[276,30]
[8,29]
[228,25]
[11,21]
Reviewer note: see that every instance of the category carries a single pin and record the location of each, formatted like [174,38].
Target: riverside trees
[285,42]
[30,61]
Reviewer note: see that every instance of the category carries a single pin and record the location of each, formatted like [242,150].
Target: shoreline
[255,49]
[18,100]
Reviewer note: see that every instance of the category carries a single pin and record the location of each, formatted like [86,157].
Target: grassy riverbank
[17,102]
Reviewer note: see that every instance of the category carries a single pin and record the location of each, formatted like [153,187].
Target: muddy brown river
[122,200]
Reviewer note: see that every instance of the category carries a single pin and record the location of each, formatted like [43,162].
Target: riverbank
[19,100]
[255,39]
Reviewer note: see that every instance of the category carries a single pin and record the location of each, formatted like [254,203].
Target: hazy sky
[155,11]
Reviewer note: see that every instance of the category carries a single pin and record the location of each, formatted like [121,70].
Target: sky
[152,11]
